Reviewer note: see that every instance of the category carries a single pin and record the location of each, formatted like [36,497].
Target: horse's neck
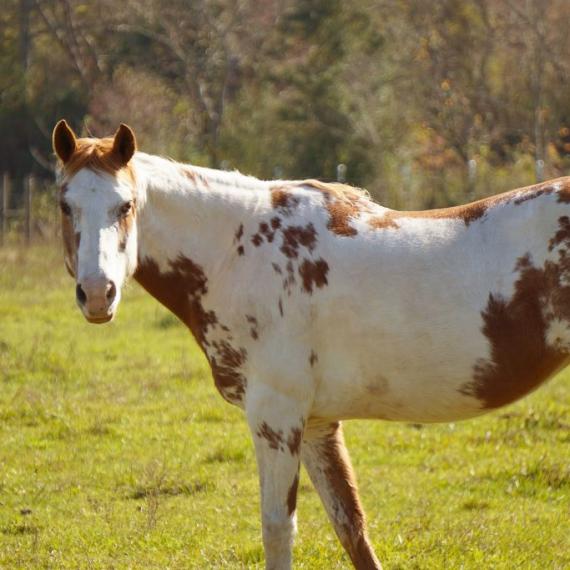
[191,211]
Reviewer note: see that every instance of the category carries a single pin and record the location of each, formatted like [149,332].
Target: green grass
[117,452]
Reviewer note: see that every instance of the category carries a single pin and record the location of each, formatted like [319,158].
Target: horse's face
[98,208]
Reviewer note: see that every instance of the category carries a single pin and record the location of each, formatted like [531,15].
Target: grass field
[117,452]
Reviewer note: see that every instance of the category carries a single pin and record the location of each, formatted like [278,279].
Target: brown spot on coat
[265,231]
[273,437]
[340,215]
[275,223]
[516,328]
[240,250]
[292,495]
[256,240]
[253,331]
[239,234]
[296,236]
[294,440]
[225,368]
[313,274]
[343,203]
[280,306]
[277,268]
[283,200]
[313,358]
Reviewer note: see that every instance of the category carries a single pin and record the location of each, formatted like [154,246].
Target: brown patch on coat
[516,328]
[534,193]
[472,212]
[181,290]
[313,358]
[468,213]
[256,240]
[275,223]
[277,268]
[97,155]
[296,236]
[292,495]
[273,437]
[350,528]
[283,200]
[562,235]
[313,274]
[226,364]
[294,440]
[240,250]
[280,306]
[343,203]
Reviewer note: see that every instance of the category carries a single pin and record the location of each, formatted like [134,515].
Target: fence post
[29,194]
[4,200]
[341,172]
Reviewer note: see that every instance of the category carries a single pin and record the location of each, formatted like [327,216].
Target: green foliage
[405,93]
[117,452]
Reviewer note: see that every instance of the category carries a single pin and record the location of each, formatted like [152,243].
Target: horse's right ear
[63,141]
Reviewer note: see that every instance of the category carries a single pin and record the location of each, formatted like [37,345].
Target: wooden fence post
[29,195]
[4,201]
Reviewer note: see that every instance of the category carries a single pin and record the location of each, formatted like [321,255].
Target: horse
[313,304]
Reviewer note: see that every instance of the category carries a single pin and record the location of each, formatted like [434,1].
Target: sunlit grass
[117,452]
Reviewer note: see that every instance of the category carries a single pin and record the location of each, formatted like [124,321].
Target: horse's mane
[337,190]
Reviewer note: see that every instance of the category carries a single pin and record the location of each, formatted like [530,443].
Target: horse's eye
[125,208]
[65,208]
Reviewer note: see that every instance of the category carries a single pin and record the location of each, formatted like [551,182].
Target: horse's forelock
[97,155]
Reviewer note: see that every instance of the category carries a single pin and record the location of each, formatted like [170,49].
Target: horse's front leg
[276,422]
[327,462]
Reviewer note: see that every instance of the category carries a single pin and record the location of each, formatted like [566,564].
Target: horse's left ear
[124,144]
[63,141]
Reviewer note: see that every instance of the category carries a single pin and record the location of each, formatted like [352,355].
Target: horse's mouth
[99,320]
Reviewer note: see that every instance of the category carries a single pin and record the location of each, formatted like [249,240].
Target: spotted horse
[314,305]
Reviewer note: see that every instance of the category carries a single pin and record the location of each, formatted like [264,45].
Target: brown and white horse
[314,305]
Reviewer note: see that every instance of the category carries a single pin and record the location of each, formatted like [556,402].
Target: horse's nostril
[111,291]
[80,294]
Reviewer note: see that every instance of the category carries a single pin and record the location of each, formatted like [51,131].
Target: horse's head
[98,208]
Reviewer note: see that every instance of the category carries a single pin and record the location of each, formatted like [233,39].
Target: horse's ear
[63,141]
[124,144]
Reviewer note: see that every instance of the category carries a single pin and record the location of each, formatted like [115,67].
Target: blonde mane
[337,190]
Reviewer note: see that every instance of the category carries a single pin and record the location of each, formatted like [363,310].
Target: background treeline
[427,103]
